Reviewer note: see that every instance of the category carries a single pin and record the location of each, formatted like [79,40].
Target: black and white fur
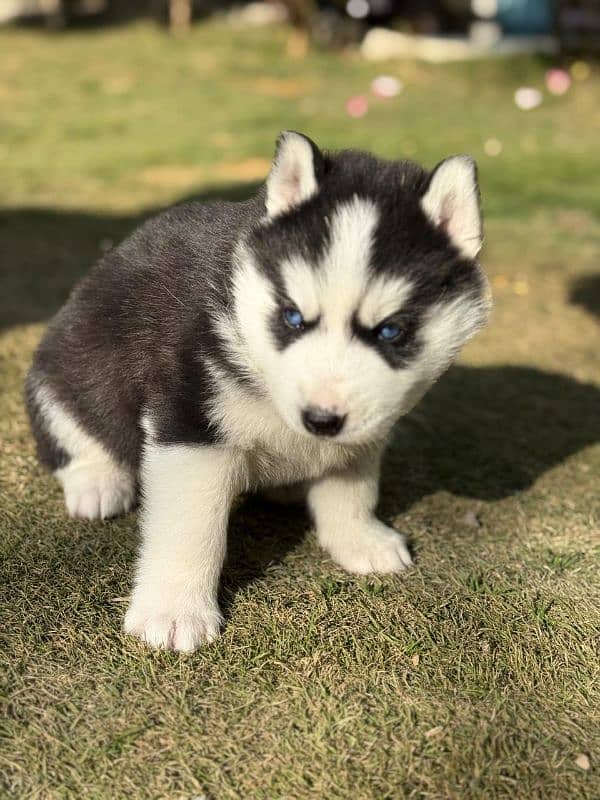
[172,367]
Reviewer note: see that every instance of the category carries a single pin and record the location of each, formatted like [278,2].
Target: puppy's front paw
[173,626]
[370,547]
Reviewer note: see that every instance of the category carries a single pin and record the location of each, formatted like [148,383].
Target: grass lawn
[473,676]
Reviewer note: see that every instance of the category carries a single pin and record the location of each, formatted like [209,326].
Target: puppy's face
[359,288]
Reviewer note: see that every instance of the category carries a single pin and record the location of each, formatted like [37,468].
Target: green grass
[473,676]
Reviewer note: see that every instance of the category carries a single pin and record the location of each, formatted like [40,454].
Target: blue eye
[293,318]
[389,332]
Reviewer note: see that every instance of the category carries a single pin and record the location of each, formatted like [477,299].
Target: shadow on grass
[482,433]
[488,432]
[585,292]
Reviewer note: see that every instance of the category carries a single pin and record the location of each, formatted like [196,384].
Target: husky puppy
[241,346]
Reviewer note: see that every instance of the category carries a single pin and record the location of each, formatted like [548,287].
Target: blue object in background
[525,16]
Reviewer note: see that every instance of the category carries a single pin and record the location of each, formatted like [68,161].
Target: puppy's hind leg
[95,485]
[96,489]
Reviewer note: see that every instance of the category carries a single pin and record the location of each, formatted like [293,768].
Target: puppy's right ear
[294,176]
[452,203]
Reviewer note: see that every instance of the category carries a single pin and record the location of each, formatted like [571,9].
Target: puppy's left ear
[294,176]
[451,201]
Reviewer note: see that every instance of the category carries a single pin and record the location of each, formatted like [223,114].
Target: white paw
[97,490]
[371,547]
[173,628]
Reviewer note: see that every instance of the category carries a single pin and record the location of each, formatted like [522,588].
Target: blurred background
[575,22]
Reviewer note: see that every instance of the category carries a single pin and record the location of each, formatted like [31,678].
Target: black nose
[322,422]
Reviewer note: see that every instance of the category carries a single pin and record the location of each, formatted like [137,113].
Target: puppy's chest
[272,466]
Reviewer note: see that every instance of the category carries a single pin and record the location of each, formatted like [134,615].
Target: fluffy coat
[239,346]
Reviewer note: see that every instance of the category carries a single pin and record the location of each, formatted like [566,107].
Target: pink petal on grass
[558,81]
[357,106]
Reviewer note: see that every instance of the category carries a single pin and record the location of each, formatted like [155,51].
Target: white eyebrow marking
[344,269]
[333,288]
[384,296]
[302,286]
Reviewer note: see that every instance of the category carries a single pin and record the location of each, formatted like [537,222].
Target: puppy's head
[359,287]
